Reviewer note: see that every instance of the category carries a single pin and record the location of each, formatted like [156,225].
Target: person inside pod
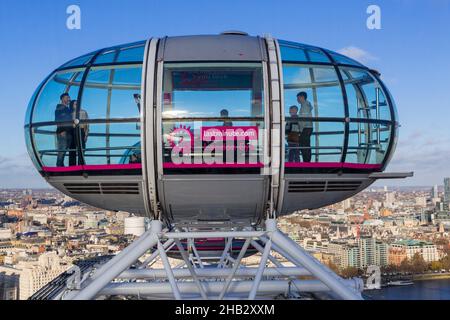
[64,130]
[306,126]
[84,131]
[293,135]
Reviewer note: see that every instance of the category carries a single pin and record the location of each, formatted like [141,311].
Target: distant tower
[441,228]
[446,190]
[390,199]
[434,192]
[385,189]
[338,233]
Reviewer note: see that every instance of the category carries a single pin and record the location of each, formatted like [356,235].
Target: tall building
[390,199]
[366,252]
[381,253]
[447,191]
[434,192]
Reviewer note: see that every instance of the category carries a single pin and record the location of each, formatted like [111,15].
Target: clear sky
[412,51]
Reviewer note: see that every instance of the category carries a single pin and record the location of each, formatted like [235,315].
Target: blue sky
[411,51]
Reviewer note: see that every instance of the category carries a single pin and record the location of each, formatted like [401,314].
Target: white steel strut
[207,277]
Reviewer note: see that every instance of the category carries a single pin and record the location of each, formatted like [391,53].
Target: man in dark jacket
[64,130]
[293,135]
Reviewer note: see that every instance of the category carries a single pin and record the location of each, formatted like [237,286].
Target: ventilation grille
[102,188]
[343,185]
[306,186]
[323,186]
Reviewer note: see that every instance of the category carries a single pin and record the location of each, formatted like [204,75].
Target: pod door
[211,126]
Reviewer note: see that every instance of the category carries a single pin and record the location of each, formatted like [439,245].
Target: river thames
[420,290]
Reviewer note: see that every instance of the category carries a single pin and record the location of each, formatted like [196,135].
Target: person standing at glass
[293,135]
[84,131]
[306,126]
[84,127]
[224,114]
[64,129]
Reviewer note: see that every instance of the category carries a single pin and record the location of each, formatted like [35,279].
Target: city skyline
[423,145]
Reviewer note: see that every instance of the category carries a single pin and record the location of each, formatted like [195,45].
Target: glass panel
[291,51]
[132,54]
[323,142]
[322,88]
[227,102]
[30,147]
[78,61]
[30,105]
[106,57]
[112,93]
[341,59]
[50,106]
[112,143]
[367,143]
[366,98]
[56,148]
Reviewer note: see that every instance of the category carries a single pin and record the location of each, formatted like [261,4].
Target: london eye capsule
[211,129]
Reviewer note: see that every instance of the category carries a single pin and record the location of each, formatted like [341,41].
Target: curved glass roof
[125,53]
[299,52]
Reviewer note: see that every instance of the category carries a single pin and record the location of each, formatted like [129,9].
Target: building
[397,255]
[5,234]
[33,275]
[435,192]
[428,250]
[134,226]
[365,252]
[421,202]
[447,191]
[381,253]
[390,200]
[9,284]
[350,257]
[346,204]
[366,248]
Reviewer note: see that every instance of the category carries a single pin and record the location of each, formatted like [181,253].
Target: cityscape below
[402,230]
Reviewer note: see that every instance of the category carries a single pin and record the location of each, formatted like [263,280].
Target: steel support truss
[284,269]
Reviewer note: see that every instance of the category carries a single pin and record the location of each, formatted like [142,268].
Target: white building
[134,226]
[34,275]
[390,200]
[421,202]
[428,250]
[5,234]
